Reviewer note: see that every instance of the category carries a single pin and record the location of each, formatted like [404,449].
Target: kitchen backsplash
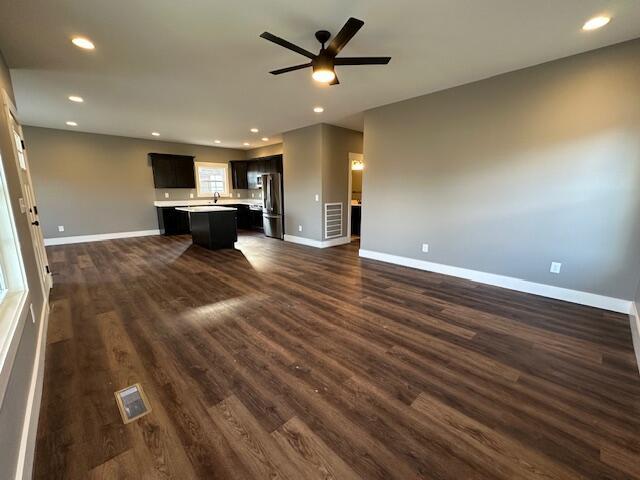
[185,193]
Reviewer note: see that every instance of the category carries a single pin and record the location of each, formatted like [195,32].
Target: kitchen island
[212,227]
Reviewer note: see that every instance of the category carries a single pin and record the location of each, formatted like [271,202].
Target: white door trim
[24,469]
[28,197]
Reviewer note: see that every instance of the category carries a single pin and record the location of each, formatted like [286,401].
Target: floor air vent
[132,403]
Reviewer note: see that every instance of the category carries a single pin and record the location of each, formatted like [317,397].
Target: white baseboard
[317,243]
[635,330]
[24,470]
[559,293]
[99,237]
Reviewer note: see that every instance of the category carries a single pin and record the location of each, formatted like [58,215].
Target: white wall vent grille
[332,220]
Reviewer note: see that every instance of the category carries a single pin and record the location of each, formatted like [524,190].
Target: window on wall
[13,286]
[212,178]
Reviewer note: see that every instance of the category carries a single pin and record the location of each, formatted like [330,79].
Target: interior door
[29,203]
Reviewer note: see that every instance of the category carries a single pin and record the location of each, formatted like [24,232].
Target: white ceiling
[196,70]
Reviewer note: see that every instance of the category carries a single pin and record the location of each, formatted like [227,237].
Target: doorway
[356,169]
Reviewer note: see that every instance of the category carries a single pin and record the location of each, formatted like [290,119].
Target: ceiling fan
[324,62]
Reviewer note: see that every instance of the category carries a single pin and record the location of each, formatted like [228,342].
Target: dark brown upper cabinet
[239,170]
[172,171]
[257,166]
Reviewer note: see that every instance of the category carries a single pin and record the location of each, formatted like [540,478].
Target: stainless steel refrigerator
[272,205]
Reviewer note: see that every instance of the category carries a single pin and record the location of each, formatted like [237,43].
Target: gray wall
[275,149]
[12,410]
[511,173]
[302,159]
[93,184]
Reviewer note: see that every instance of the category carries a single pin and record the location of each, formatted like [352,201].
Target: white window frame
[225,166]
[14,296]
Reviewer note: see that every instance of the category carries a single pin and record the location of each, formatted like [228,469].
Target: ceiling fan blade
[290,69]
[361,60]
[335,81]
[284,43]
[340,40]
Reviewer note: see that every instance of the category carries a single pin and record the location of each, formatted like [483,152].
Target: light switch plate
[317,197]
[61,228]
[555,267]
[299,228]
[23,205]
[238,195]
[166,194]
[191,195]
[425,248]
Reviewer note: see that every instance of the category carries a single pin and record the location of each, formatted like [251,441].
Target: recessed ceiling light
[83,42]
[265,139]
[596,23]
[72,124]
[155,134]
[246,144]
[217,141]
[254,130]
[77,99]
[318,109]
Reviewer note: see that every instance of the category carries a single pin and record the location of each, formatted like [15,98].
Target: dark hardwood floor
[282,361]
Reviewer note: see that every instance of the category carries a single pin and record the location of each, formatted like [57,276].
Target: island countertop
[206,209]
[202,202]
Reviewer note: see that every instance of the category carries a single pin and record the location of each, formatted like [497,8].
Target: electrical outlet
[252,195]
[61,228]
[191,195]
[555,267]
[299,228]
[166,194]
[425,248]
[238,195]
[317,197]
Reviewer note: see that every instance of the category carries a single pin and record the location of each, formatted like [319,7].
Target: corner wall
[509,174]
[316,162]
[302,165]
[337,144]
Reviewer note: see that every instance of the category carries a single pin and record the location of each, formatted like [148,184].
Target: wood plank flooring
[282,361]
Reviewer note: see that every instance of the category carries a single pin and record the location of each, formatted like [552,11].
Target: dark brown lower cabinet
[256,219]
[172,221]
[214,230]
[244,220]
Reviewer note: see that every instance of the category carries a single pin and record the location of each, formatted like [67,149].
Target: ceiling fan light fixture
[323,63]
[323,75]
